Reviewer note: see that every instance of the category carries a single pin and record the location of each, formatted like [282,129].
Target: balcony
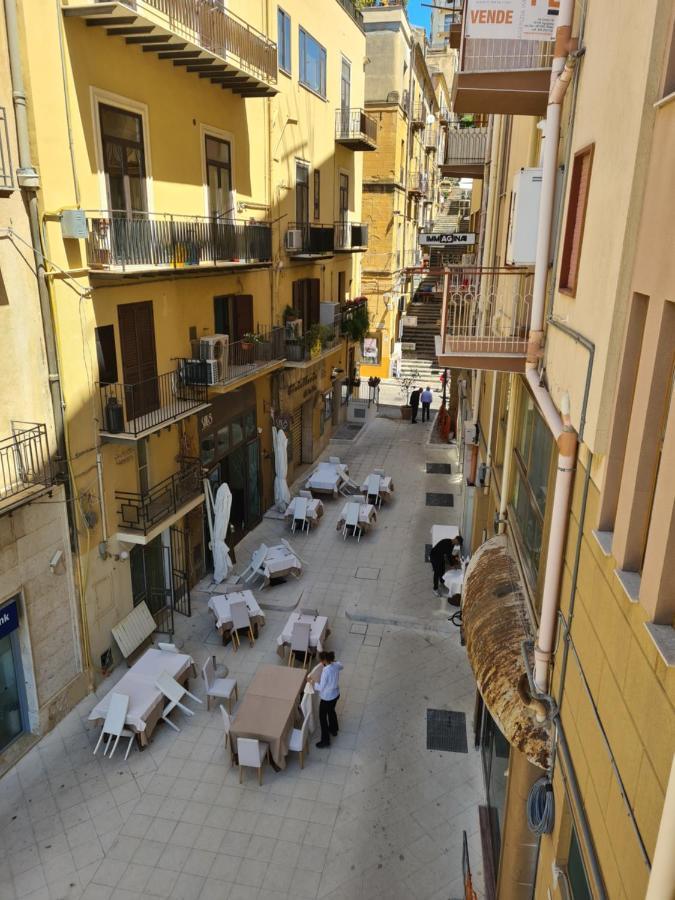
[25,467]
[430,139]
[129,412]
[355,129]
[453,21]
[316,342]
[309,240]
[141,515]
[349,310]
[504,76]
[418,184]
[485,319]
[466,151]
[418,115]
[352,11]
[204,37]
[243,360]
[351,237]
[121,243]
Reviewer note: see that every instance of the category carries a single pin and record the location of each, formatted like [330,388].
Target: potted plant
[249,339]
[293,322]
[356,326]
[314,341]
[406,382]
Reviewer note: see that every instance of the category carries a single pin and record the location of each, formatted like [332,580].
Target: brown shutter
[576,217]
[243,315]
[297,297]
[139,359]
[314,285]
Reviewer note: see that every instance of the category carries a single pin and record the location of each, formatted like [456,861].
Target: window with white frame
[284,40]
[312,64]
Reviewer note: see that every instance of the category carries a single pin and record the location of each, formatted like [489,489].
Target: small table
[318,631]
[314,510]
[386,486]
[367,516]
[267,712]
[327,478]
[219,604]
[443,532]
[280,561]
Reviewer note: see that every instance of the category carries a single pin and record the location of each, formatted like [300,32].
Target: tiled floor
[375,816]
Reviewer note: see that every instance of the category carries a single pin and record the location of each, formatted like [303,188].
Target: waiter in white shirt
[328,686]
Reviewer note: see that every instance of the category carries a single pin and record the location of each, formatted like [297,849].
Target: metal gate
[179,556]
[296,436]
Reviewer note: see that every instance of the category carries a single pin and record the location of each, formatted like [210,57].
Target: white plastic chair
[352,521]
[374,490]
[167,648]
[240,621]
[251,753]
[307,710]
[174,693]
[255,567]
[309,612]
[335,460]
[299,643]
[379,472]
[300,514]
[113,726]
[306,494]
[299,740]
[227,725]
[222,688]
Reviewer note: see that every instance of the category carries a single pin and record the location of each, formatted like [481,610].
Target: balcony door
[306,300]
[139,358]
[233,315]
[124,162]
[219,177]
[345,95]
[344,197]
[301,194]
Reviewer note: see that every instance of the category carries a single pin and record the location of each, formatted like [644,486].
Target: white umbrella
[222,564]
[282,496]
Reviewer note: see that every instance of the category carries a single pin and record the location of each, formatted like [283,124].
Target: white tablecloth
[327,477]
[454,580]
[443,532]
[139,685]
[386,485]
[367,515]
[219,604]
[317,631]
[279,561]
[314,510]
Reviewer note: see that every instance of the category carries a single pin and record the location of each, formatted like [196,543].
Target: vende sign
[460,239]
[515,20]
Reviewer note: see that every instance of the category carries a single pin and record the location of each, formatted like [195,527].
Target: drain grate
[440,500]
[446,730]
[439,469]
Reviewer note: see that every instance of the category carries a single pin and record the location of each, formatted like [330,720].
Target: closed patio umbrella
[282,496]
[222,564]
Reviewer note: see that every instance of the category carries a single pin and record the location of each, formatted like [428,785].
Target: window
[576,215]
[317,195]
[123,159]
[312,64]
[345,84]
[219,176]
[669,79]
[343,204]
[576,872]
[105,354]
[284,40]
[301,193]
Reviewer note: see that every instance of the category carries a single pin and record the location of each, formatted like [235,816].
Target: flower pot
[406,412]
[246,345]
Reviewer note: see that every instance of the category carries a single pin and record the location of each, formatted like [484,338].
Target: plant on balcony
[249,339]
[313,340]
[356,327]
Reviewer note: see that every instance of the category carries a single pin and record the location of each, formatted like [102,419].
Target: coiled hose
[541,807]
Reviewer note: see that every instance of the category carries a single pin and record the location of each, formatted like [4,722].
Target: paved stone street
[375,816]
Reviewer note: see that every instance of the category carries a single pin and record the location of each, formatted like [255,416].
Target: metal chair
[300,514]
[373,492]
[174,693]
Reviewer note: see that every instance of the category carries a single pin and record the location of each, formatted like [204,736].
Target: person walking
[414,403]
[328,687]
[439,557]
[426,397]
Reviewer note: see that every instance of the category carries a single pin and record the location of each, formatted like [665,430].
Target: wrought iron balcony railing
[24,462]
[240,358]
[315,341]
[418,115]
[418,183]
[465,147]
[430,139]
[309,239]
[356,129]
[355,13]
[118,241]
[351,236]
[141,511]
[141,408]
[500,55]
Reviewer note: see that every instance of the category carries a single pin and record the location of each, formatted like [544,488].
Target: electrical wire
[541,807]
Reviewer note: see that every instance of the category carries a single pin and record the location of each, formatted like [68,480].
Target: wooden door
[242,309]
[139,358]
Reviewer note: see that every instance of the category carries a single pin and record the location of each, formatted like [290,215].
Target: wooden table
[268,710]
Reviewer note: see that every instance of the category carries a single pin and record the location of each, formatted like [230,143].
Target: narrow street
[376,816]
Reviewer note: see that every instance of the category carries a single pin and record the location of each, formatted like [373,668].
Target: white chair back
[209,673]
[373,485]
[300,509]
[378,472]
[300,636]
[248,751]
[352,517]
[306,494]
[117,714]
[309,612]
[167,648]
[227,721]
[258,557]
[334,459]
[306,706]
[240,616]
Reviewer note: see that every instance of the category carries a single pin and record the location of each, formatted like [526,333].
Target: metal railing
[136,408]
[418,182]
[418,114]
[241,357]
[118,240]
[309,238]
[315,341]
[210,26]
[500,55]
[348,311]
[487,311]
[24,460]
[466,146]
[351,236]
[354,125]
[355,13]
[430,139]
[141,511]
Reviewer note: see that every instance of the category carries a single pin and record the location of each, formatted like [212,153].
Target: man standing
[329,692]
[440,556]
[414,403]
[426,399]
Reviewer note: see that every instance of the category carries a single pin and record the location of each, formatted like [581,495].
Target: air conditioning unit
[214,370]
[521,244]
[193,371]
[213,346]
[293,239]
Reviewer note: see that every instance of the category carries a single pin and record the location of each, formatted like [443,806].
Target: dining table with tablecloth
[220,604]
[318,631]
[386,486]
[327,478]
[314,510]
[367,515]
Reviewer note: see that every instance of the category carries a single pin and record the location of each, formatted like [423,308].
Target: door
[345,95]
[308,430]
[306,300]
[123,160]
[11,710]
[139,360]
[219,176]
[149,566]
[234,468]
[344,197]
[233,315]
[301,194]
[179,570]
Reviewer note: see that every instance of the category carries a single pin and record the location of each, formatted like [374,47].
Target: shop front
[13,718]
[230,452]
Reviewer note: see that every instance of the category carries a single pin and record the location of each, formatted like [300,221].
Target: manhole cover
[446,730]
[440,500]
[439,469]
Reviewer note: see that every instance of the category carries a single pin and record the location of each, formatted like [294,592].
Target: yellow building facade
[200,211]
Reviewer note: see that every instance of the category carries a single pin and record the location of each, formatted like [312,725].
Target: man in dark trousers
[328,687]
[414,403]
[440,557]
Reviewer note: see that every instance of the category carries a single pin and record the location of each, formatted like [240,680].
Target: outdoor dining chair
[300,514]
[299,740]
[373,492]
[378,472]
[352,521]
[113,726]
[307,711]
[255,567]
[227,725]
[167,648]
[306,494]
[251,753]
[299,643]
[174,693]
[335,460]
[221,688]
[241,621]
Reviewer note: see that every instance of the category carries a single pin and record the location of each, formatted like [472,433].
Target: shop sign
[457,238]
[9,618]
[514,20]
[304,386]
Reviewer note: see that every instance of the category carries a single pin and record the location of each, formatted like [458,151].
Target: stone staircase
[422,360]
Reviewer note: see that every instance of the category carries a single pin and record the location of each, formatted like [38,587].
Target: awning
[495,621]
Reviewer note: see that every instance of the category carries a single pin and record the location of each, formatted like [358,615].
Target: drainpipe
[508,453]
[406,167]
[662,876]
[493,401]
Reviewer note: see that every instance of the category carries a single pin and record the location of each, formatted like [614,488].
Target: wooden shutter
[243,315]
[314,310]
[297,297]
[576,217]
[139,359]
